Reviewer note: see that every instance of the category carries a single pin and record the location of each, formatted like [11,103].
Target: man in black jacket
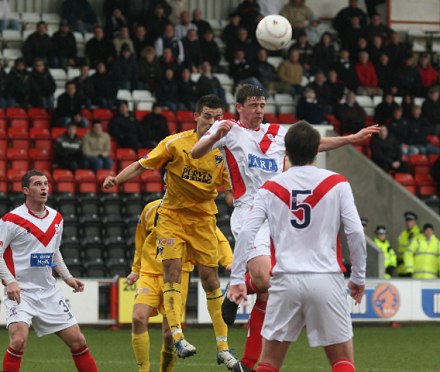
[69,103]
[37,45]
[124,128]
[68,153]
[154,127]
[99,49]
[17,83]
[64,51]
[42,86]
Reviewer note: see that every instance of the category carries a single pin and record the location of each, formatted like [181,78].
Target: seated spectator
[397,51]
[305,51]
[5,99]
[185,24]
[167,60]
[361,46]
[37,45]
[150,72]
[177,7]
[124,128]
[68,153]
[337,88]
[342,21]
[409,78]
[385,152]
[322,92]
[375,49]
[350,114]
[168,92]
[355,32]
[79,14]
[157,21]
[384,110]
[420,128]
[64,51]
[84,86]
[324,54]
[69,104]
[202,25]
[114,23]
[269,7]
[377,28]
[308,108]
[249,10]
[79,120]
[267,74]
[431,109]
[345,70]
[154,127]
[229,33]
[210,49]
[96,148]
[387,75]
[42,86]
[126,69]
[407,105]
[192,50]
[243,42]
[314,31]
[18,83]
[169,40]
[399,128]
[6,22]
[243,71]
[99,48]
[298,14]
[141,39]
[105,87]
[187,90]
[290,71]
[428,75]
[208,83]
[367,77]
[122,39]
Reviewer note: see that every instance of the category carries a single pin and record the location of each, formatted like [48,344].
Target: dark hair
[211,100]
[26,179]
[70,82]
[248,91]
[41,23]
[302,143]
[96,122]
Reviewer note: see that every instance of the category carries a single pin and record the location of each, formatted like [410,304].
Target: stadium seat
[91,225]
[185,115]
[114,225]
[3,125]
[19,123]
[419,163]
[18,158]
[224,224]
[140,114]
[89,204]
[426,185]
[187,125]
[65,187]
[142,96]
[118,267]
[38,113]
[67,204]
[170,116]
[144,106]
[62,175]
[407,181]
[93,247]
[102,114]
[18,137]
[287,118]
[131,223]
[16,113]
[85,175]
[41,138]
[95,268]
[57,132]
[4,200]
[126,154]
[75,266]
[111,204]
[70,226]
[133,204]
[173,127]
[433,158]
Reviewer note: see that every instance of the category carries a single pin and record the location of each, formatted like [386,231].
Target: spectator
[431,109]
[407,105]
[202,25]
[210,49]
[267,74]
[114,23]
[6,22]
[290,71]
[169,40]
[409,78]
[99,49]
[42,86]
[350,114]
[84,86]
[154,127]
[37,45]
[298,14]
[105,87]
[375,49]
[345,70]
[249,11]
[243,71]
[367,77]
[337,88]
[377,28]
[208,83]
[185,24]
[229,33]
[167,60]
[324,53]
[243,42]
[69,103]
[420,128]
[96,148]
[428,75]
[79,14]
[269,7]
[157,22]
[412,231]
[150,72]
[308,108]
[187,90]
[68,154]
[322,92]
[192,51]
[390,260]
[387,75]
[400,129]
[141,39]
[126,69]
[355,31]
[361,46]
[385,152]
[384,110]
[168,92]
[5,99]
[79,120]
[64,51]
[397,51]
[123,39]
[305,51]
[342,22]
[18,83]
[314,31]
[124,128]
[421,258]
[177,7]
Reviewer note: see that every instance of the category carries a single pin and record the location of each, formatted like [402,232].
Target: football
[274,32]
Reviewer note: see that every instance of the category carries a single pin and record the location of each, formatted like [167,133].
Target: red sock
[343,365]
[83,360]
[266,367]
[251,287]
[252,349]
[12,360]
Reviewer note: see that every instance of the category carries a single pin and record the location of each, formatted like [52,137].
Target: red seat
[142,152]
[81,132]
[434,140]
[87,187]
[18,158]
[169,115]
[38,113]
[187,125]
[42,165]
[153,187]
[19,123]
[271,118]
[101,174]
[173,127]
[126,154]
[57,132]
[420,163]
[424,179]
[14,177]
[16,113]
[131,187]
[102,114]
[82,175]
[151,176]
[140,114]
[39,133]
[66,187]
[287,118]
[62,175]
[433,158]
[229,115]
[185,115]
[87,114]
[41,123]
[18,137]
[405,178]
[2,152]
[3,164]
[3,125]
[40,154]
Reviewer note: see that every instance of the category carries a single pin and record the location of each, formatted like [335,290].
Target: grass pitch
[411,348]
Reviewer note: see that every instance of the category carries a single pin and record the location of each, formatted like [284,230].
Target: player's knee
[77,341]
[210,283]
[261,280]
[139,319]
[18,342]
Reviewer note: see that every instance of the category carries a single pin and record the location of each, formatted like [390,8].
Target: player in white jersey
[304,207]
[254,153]
[30,238]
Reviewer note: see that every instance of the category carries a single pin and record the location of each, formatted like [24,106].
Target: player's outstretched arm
[206,143]
[331,143]
[76,284]
[132,171]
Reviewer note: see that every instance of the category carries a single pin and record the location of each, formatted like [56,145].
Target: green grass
[411,348]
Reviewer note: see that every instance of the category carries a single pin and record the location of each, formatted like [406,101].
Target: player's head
[250,104]
[35,187]
[302,143]
[209,108]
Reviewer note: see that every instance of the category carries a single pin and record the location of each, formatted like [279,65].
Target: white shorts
[262,240]
[316,301]
[46,310]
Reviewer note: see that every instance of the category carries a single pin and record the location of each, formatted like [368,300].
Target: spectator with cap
[390,260]
[314,30]
[421,259]
[64,52]
[411,232]
[37,45]
[96,148]
[68,154]
[124,127]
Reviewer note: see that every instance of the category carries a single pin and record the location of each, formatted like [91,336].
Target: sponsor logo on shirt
[265,164]
[41,259]
[218,159]
[165,241]
[193,174]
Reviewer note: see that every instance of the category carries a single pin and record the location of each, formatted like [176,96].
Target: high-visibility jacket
[403,243]
[390,259]
[422,257]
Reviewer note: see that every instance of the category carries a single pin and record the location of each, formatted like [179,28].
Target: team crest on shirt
[218,159]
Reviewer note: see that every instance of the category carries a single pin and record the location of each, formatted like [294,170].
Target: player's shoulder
[17,211]
[151,205]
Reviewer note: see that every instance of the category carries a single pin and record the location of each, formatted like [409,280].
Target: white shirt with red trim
[29,245]
[305,207]
[252,157]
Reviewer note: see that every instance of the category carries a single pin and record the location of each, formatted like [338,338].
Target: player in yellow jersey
[187,221]
[149,296]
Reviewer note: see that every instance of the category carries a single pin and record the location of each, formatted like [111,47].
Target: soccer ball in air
[274,32]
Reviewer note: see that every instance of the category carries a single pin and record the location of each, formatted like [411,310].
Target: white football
[274,32]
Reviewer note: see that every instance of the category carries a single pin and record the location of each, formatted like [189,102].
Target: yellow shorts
[150,292]
[186,235]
